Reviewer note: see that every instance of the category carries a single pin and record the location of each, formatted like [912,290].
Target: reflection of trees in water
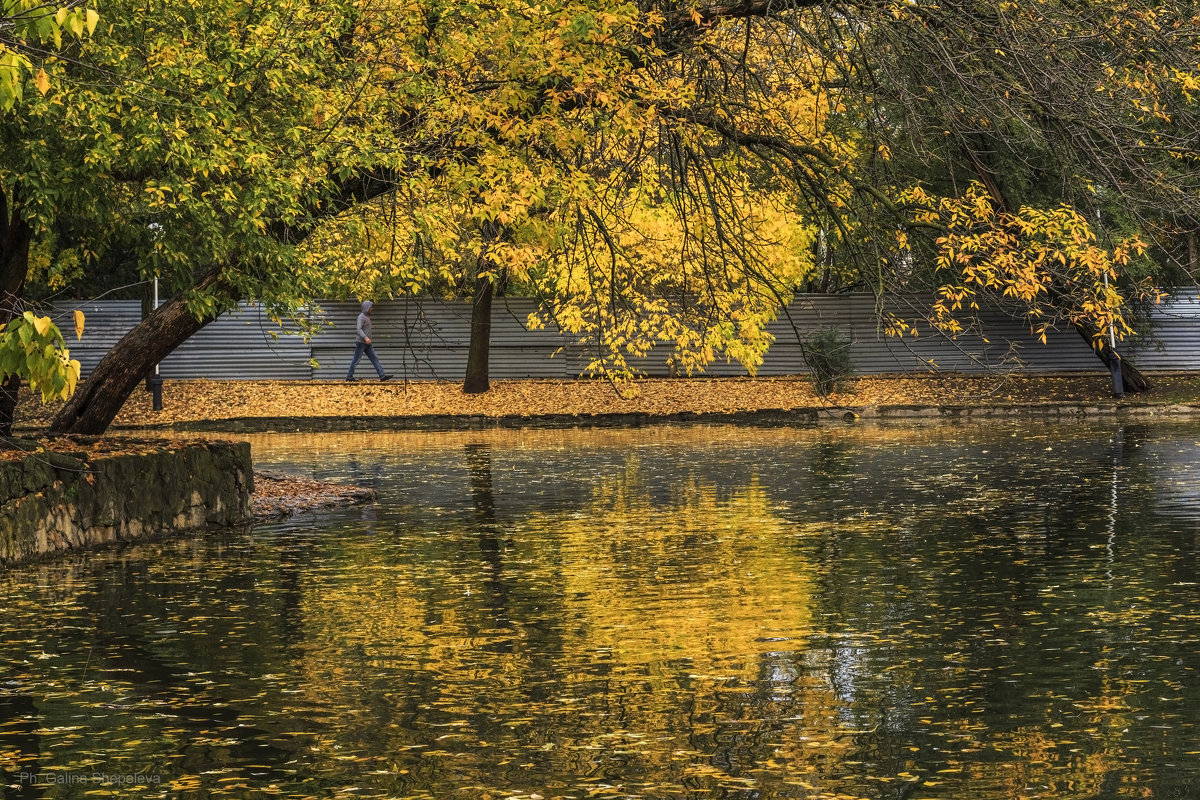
[983,624]
[295,553]
[642,630]
[150,668]
[676,631]
[491,545]
[654,595]
[672,613]
[195,682]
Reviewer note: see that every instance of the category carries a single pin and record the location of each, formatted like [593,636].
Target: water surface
[1000,611]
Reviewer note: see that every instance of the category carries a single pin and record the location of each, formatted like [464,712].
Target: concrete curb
[773,417]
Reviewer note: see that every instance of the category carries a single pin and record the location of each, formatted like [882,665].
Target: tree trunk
[476,381]
[15,237]
[1132,379]
[487,275]
[9,391]
[98,399]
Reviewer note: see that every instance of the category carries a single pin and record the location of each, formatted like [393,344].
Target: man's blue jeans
[359,349]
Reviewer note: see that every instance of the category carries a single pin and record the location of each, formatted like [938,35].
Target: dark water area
[978,611]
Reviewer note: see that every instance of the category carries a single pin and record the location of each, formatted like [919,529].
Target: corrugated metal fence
[421,339]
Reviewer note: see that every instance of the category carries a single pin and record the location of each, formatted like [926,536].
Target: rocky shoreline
[277,496]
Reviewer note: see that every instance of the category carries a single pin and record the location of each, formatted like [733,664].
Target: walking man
[363,343]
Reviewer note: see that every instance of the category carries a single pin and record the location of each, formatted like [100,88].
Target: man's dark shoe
[351,380]
[385,377]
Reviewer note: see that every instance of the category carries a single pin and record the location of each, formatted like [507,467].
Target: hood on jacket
[366,306]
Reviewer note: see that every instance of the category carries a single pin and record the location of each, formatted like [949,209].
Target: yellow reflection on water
[709,580]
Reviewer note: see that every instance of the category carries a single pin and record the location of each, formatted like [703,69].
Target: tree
[206,149]
[92,408]
[548,140]
[574,161]
[822,100]
[23,24]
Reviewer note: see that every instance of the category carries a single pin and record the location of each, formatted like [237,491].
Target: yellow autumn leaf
[78,324]
[42,325]
[41,81]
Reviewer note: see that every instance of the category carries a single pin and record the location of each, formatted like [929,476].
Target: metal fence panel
[105,322]
[423,339]
[1172,341]
[243,344]
[240,345]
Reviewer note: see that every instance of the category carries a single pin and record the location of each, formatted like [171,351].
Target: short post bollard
[154,386]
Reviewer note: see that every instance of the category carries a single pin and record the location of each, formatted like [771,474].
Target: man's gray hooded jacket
[364,322]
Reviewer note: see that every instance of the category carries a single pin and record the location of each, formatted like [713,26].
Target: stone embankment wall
[54,502]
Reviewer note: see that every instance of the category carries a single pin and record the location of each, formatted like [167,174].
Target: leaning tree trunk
[476,381]
[1132,379]
[15,237]
[98,399]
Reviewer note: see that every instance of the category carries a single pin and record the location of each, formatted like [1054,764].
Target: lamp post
[154,382]
[1114,360]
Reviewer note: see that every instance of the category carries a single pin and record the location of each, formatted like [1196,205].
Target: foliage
[23,22]
[32,348]
[655,174]
[1045,263]
[186,157]
[640,278]
[1044,103]
[577,161]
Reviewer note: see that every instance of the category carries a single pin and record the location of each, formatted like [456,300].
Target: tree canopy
[655,173]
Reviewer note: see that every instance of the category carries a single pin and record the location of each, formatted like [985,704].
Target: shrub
[827,354]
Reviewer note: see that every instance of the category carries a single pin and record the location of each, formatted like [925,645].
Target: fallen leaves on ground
[201,400]
[277,495]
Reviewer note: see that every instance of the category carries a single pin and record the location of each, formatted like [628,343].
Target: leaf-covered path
[198,401]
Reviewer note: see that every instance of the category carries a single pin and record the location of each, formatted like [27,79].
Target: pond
[982,611]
